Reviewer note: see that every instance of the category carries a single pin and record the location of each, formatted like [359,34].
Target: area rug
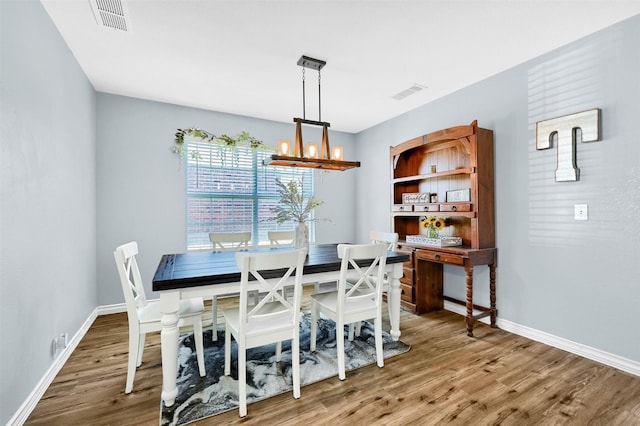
[200,397]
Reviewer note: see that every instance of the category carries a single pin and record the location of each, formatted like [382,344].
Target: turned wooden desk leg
[469,270]
[492,294]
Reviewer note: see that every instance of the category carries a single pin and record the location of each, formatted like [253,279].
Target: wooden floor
[494,378]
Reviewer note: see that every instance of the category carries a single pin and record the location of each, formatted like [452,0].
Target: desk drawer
[426,207]
[402,208]
[435,256]
[455,207]
[408,263]
[406,292]
[407,276]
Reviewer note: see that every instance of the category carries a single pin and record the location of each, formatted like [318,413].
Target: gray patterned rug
[200,397]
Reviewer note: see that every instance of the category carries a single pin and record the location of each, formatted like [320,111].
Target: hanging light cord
[304,97]
[304,101]
[319,101]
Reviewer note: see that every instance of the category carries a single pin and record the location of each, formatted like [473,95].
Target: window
[229,190]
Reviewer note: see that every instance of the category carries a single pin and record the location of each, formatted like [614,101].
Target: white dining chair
[355,300]
[281,238]
[225,241]
[145,316]
[271,320]
[391,239]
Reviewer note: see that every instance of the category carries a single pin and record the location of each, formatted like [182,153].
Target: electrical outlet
[54,347]
[58,343]
[581,212]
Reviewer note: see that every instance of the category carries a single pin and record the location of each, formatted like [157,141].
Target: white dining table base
[170,302]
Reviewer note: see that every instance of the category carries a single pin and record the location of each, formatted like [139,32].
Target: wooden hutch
[450,173]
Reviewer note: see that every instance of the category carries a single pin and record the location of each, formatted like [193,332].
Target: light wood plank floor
[494,378]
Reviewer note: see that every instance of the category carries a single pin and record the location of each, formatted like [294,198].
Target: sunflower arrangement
[434,225]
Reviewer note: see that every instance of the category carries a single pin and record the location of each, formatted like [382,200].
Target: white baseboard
[111,309]
[606,358]
[30,403]
[32,400]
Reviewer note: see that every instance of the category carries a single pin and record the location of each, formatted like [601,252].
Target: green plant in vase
[294,207]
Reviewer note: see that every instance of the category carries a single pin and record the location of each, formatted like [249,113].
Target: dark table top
[207,267]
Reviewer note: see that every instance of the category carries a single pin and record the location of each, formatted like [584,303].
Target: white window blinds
[229,190]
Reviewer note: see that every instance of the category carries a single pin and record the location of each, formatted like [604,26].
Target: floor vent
[112,14]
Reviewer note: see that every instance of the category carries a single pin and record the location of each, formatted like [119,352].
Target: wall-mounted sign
[564,130]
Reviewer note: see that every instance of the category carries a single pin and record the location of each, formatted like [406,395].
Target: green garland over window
[243,139]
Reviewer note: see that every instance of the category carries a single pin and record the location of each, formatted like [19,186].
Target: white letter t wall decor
[565,129]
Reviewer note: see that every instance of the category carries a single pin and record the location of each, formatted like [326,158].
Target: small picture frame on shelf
[459,195]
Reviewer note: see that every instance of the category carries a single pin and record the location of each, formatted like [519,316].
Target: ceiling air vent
[407,92]
[111,14]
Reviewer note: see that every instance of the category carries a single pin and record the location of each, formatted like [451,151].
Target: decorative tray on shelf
[434,242]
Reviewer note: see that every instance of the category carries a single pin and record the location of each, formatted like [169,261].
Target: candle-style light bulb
[312,150]
[284,146]
[337,153]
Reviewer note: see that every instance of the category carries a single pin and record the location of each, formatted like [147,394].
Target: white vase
[302,237]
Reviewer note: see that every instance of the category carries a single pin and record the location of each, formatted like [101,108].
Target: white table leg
[394,299]
[169,305]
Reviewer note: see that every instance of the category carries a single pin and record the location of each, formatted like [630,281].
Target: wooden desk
[429,280]
[206,274]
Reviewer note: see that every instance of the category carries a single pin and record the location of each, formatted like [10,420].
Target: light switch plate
[581,212]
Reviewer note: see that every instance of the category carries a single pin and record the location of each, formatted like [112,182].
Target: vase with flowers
[294,207]
[433,225]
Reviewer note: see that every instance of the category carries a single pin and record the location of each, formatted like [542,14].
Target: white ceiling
[241,57]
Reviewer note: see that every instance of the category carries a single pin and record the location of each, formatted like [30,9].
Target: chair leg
[254,297]
[134,348]
[278,351]
[314,325]
[340,348]
[242,378]
[295,363]
[140,349]
[354,329]
[214,308]
[227,351]
[378,336]
[197,335]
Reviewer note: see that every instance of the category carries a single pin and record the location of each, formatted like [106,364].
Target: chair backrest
[281,238]
[130,278]
[227,241]
[365,280]
[272,271]
[391,238]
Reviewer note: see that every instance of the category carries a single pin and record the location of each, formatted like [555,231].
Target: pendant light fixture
[325,158]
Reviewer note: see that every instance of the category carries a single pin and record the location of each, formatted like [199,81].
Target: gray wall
[82,173]
[141,184]
[572,279]
[47,210]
